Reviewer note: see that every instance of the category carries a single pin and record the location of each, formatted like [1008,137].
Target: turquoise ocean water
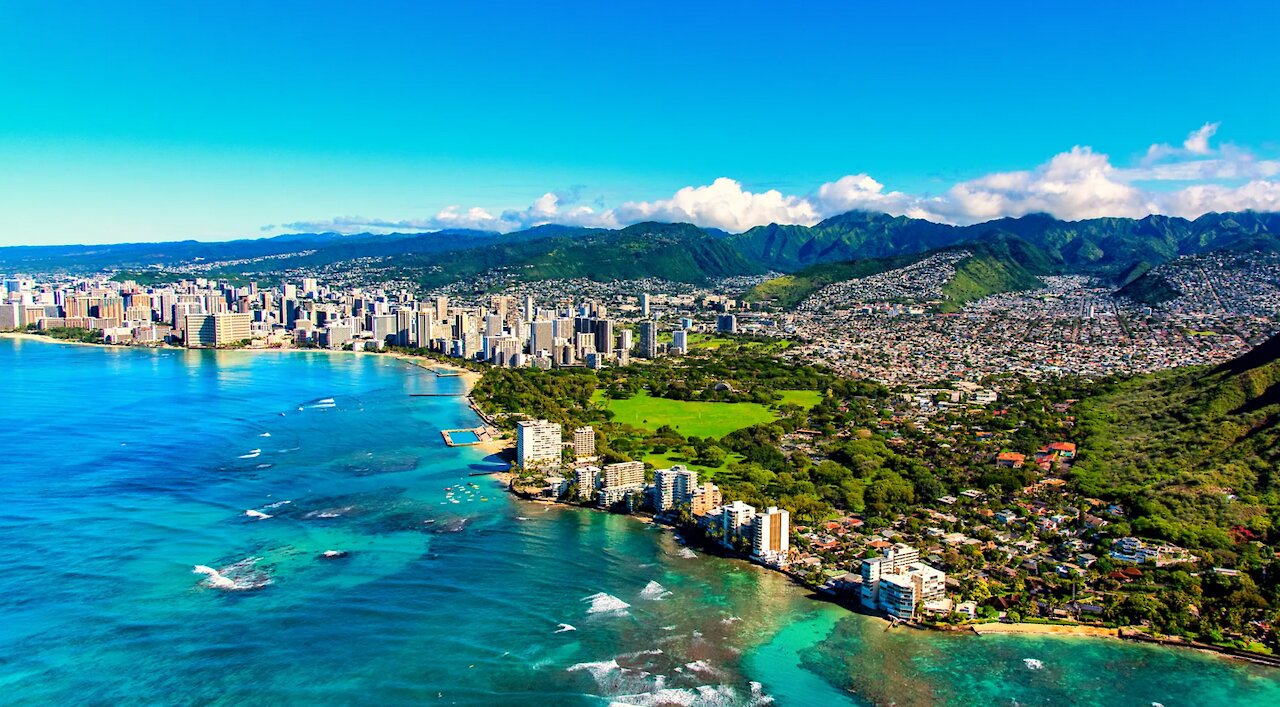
[125,469]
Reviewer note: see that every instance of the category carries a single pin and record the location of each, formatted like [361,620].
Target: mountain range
[1121,249]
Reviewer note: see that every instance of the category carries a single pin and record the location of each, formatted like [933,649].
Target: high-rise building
[425,330]
[736,520]
[618,480]
[680,341]
[706,500]
[493,325]
[727,324]
[673,487]
[588,479]
[648,340]
[772,535]
[203,330]
[624,340]
[541,337]
[537,442]
[644,304]
[584,442]
[442,308]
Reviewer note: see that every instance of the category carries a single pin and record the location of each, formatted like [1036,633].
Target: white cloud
[1077,184]
[545,209]
[1073,185]
[722,204]
[1193,201]
[1197,143]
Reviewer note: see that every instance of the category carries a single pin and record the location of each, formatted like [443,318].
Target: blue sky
[157,121]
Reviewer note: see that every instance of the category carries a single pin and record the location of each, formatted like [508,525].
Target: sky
[152,121]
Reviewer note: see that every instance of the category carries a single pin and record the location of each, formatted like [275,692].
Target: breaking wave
[602,603]
[654,592]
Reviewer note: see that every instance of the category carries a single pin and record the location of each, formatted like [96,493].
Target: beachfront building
[736,520]
[618,480]
[706,500]
[584,442]
[673,487]
[771,537]
[897,582]
[537,443]
[587,479]
[205,330]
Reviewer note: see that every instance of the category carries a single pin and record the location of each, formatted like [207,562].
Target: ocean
[125,470]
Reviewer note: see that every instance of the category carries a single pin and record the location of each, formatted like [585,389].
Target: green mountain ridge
[678,252]
[1110,247]
[1192,453]
[1004,264]
[1104,246]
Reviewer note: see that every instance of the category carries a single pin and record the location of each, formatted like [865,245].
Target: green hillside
[1149,288]
[790,290]
[676,252]
[1002,265]
[1191,453]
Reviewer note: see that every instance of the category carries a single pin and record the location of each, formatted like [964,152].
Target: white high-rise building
[537,442]
[897,582]
[673,487]
[680,341]
[618,480]
[772,537]
[736,519]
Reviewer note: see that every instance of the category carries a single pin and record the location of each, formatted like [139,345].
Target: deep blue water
[126,469]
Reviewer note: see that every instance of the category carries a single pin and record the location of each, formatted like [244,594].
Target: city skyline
[220,123]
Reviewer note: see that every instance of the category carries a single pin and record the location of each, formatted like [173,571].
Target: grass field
[696,418]
[670,459]
[804,398]
[687,417]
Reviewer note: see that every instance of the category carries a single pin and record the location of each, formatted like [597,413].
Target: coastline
[28,336]
[500,444]
[1043,630]
[468,376]
[976,630]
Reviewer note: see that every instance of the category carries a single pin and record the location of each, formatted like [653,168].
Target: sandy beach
[1045,630]
[27,336]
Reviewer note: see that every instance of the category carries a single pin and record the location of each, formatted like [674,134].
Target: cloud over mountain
[1076,184]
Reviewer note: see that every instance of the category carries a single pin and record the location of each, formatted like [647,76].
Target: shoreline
[468,376]
[500,444]
[974,630]
[1081,630]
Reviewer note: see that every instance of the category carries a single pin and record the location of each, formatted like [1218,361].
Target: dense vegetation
[66,333]
[1191,452]
[1150,288]
[675,252]
[1103,245]
[1004,264]
[790,290]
